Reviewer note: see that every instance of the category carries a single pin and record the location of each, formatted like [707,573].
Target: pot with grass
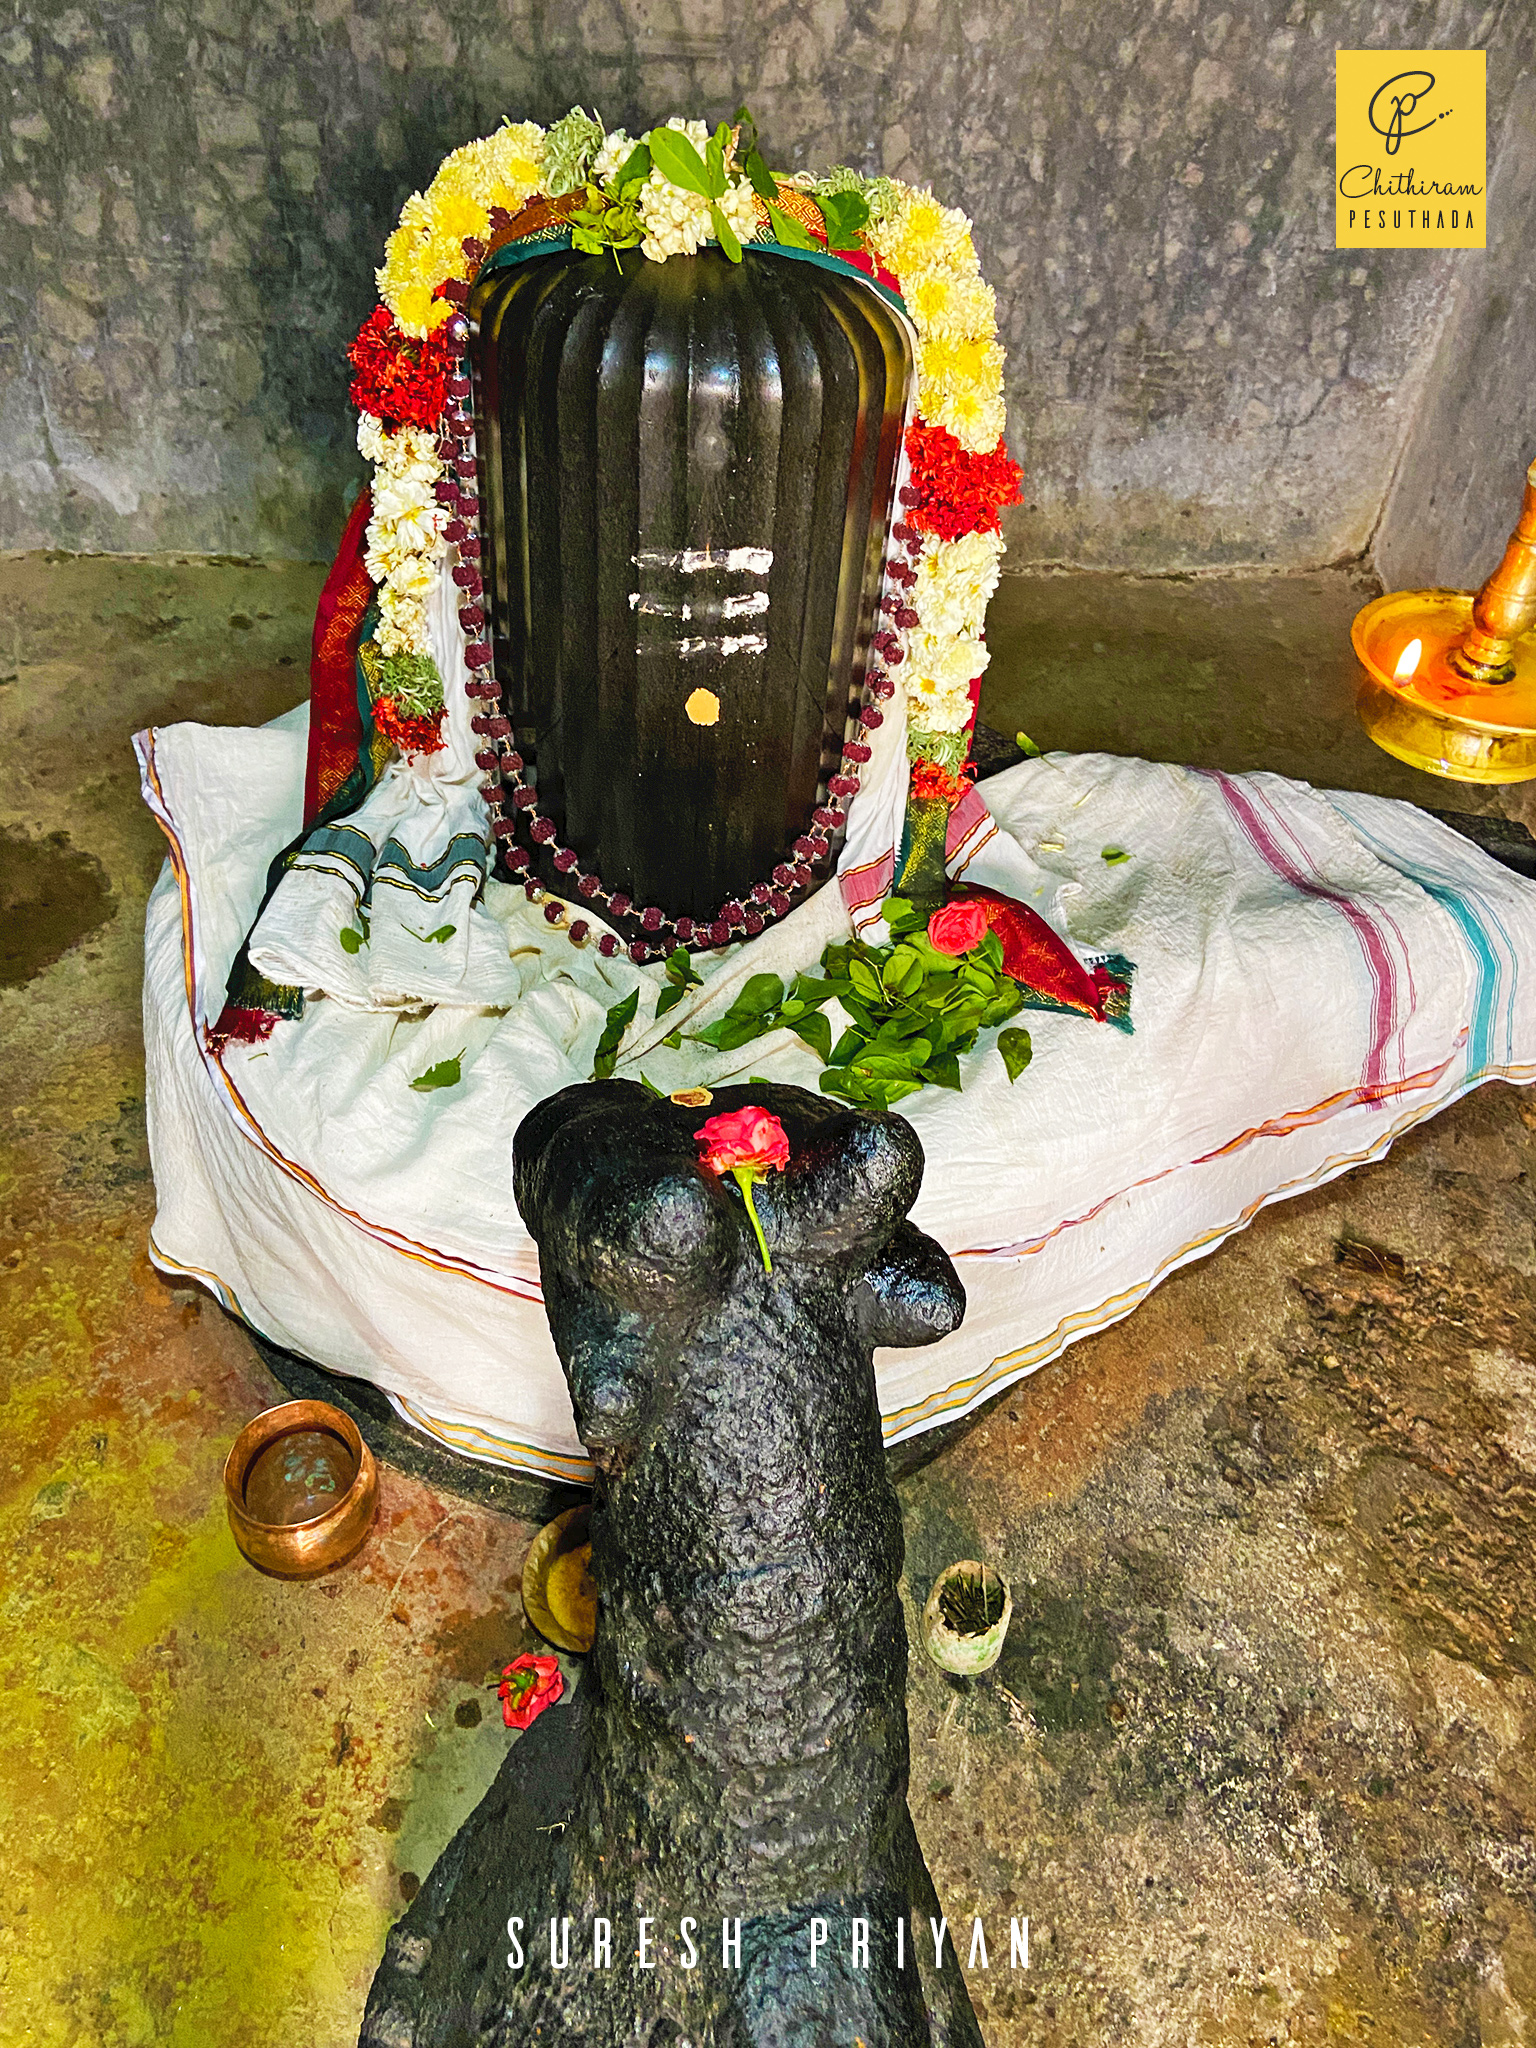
[966,1618]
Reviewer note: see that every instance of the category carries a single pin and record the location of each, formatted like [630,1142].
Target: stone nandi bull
[738,1744]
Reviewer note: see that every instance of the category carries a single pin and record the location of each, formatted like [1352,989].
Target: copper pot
[301,1549]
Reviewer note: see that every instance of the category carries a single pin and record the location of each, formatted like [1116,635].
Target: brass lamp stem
[1505,606]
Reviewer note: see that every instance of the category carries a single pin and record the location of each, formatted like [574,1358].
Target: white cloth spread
[1315,973]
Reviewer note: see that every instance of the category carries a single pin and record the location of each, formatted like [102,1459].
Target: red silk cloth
[1036,957]
[335,722]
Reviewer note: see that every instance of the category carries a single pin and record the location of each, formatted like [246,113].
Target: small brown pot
[301,1550]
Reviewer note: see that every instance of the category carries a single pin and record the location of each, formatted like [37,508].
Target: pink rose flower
[529,1684]
[957,927]
[746,1137]
[746,1144]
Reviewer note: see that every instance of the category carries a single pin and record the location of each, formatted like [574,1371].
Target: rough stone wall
[1456,494]
[194,192]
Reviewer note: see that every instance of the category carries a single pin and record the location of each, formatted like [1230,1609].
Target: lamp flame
[1408,660]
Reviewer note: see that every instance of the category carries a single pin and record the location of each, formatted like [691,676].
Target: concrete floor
[1258,1760]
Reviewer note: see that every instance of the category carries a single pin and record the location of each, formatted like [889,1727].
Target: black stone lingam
[737,1749]
[687,472]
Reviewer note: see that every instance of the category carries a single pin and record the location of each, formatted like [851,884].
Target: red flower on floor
[529,1684]
[399,380]
[955,492]
[746,1144]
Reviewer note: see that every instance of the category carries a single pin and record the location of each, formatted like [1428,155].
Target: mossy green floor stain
[194,1758]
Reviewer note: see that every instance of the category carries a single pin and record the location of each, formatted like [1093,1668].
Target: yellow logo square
[1411,159]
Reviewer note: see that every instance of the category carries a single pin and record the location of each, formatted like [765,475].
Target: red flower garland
[931,781]
[413,733]
[952,493]
[401,381]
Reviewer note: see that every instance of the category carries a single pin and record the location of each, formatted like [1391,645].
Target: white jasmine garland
[677,222]
[955,582]
[611,156]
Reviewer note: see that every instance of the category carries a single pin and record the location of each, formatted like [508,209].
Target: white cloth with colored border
[1315,974]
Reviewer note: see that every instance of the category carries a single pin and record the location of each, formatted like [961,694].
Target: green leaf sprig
[353,941]
[620,1017]
[680,978]
[912,1009]
[446,1074]
[680,164]
[609,217]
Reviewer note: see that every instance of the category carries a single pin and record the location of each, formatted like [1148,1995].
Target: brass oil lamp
[1449,679]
